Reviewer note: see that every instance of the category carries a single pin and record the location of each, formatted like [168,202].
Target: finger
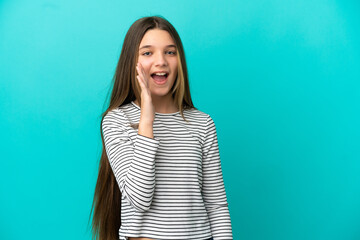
[144,79]
[143,75]
[141,83]
[140,77]
[142,70]
[138,69]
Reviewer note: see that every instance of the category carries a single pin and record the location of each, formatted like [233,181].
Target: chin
[159,92]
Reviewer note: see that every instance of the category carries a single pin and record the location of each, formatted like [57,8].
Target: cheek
[146,64]
[175,69]
[174,66]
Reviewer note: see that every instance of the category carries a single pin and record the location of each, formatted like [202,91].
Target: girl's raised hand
[147,108]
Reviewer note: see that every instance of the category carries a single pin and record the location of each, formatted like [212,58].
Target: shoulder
[199,116]
[116,113]
[121,112]
[196,113]
[115,117]
[202,121]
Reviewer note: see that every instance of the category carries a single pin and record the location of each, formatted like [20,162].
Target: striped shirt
[172,185]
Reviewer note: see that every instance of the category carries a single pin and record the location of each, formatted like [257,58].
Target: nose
[160,60]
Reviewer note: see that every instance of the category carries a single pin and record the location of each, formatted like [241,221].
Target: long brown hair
[106,206]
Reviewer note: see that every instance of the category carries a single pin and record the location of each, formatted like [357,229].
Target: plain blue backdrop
[279,78]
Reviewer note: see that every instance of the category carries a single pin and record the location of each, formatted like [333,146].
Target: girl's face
[157,54]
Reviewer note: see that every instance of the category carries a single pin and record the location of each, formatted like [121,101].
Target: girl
[160,174]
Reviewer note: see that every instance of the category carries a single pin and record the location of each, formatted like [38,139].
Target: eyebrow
[148,46]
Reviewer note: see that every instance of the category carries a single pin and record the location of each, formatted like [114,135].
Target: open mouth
[159,78]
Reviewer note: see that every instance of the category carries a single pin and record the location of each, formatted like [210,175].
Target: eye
[172,52]
[146,53]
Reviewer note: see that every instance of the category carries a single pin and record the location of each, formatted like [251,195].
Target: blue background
[279,78]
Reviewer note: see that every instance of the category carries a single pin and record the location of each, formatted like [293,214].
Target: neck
[162,104]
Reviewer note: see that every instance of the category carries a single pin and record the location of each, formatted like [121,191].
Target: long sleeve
[133,162]
[213,190]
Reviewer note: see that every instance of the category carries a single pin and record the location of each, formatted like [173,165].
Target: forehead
[157,38]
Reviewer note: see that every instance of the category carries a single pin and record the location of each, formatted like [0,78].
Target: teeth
[160,74]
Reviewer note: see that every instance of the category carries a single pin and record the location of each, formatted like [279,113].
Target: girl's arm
[133,163]
[213,189]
